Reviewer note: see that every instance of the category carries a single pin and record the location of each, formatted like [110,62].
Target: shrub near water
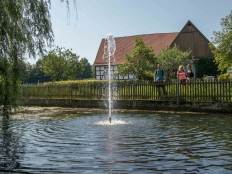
[74,82]
[77,88]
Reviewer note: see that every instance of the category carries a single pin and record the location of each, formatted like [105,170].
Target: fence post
[177,92]
[134,90]
[230,97]
[27,91]
[70,95]
[47,94]
[98,91]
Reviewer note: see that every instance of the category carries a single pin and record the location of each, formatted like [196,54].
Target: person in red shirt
[181,74]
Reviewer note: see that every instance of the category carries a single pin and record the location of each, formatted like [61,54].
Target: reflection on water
[132,143]
[114,122]
[11,147]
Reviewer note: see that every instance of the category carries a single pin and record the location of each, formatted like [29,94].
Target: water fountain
[75,141]
[108,56]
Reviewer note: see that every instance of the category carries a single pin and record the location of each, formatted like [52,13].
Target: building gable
[191,38]
[188,38]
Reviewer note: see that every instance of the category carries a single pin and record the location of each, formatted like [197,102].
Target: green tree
[171,58]
[25,30]
[61,64]
[24,70]
[206,66]
[140,63]
[36,74]
[221,44]
[93,71]
[87,69]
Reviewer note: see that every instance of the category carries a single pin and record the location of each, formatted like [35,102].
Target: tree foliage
[141,61]
[25,27]
[206,66]
[222,44]
[171,58]
[61,64]
[26,30]
[36,74]
[87,69]
[24,70]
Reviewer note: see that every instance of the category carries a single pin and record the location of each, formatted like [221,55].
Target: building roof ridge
[145,34]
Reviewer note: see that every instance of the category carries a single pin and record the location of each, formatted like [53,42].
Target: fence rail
[198,90]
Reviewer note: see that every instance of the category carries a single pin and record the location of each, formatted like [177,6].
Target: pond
[134,142]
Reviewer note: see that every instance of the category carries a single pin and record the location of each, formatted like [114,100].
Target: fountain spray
[109,49]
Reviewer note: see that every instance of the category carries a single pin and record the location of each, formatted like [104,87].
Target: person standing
[181,74]
[160,79]
[190,73]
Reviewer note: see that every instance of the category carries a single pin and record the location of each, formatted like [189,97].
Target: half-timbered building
[188,38]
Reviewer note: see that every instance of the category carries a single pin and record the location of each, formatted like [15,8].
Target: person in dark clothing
[159,79]
[190,73]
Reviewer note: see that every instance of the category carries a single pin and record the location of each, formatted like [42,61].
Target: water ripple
[131,143]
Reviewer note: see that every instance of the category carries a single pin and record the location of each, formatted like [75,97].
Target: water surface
[132,143]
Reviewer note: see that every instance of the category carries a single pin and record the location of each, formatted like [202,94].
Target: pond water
[132,143]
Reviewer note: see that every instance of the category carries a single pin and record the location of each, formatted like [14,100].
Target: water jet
[108,56]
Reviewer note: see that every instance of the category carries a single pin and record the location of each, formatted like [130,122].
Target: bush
[206,66]
[224,76]
[148,76]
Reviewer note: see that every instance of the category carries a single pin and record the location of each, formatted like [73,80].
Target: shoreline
[30,112]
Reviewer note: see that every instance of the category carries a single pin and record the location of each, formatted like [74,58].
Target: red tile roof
[124,45]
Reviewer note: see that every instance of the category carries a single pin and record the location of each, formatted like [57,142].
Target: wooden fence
[198,90]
